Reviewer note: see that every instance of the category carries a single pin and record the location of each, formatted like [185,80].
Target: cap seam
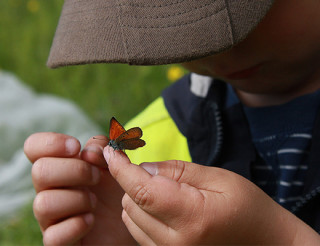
[169,26]
[230,27]
[175,14]
[159,17]
[124,39]
[151,6]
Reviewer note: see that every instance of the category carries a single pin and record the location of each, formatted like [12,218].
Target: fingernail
[95,172]
[93,199]
[88,218]
[72,146]
[106,154]
[151,168]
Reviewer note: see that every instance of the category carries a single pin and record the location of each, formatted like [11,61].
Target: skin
[77,199]
[285,47]
[82,201]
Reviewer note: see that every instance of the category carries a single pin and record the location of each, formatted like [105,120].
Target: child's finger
[48,173]
[93,151]
[190,173]
[51,206]
[143,226]
[140,236]
[50,144]
[69,231]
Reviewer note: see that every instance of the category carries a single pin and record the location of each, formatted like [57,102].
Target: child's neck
[269,99]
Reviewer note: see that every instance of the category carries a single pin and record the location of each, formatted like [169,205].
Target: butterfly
[120,139]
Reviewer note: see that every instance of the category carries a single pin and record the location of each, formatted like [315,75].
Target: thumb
[157,195]
[186,172]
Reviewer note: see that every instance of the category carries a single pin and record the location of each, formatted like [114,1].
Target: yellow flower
[174,73]
[33,6]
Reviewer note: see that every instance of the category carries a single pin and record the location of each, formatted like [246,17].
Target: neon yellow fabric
[163,139]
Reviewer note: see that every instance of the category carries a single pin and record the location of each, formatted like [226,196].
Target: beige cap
[151,32]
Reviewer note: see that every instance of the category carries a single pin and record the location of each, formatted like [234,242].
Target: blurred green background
[101,90]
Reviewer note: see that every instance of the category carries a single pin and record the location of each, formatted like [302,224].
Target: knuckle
[142,195]
[27,145]
[41,207]
[57,235]
[38,172]
[179,168]
[46,239]
[126,203]
[50,238]
[124,217]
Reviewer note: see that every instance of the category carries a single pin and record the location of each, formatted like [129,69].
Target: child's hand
[179,203]
[77,199]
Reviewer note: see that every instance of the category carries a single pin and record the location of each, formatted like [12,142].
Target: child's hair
[151,32]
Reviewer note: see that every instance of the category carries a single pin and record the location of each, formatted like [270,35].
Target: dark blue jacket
[219,136]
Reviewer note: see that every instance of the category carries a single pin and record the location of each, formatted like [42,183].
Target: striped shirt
[282,136]
[282,174]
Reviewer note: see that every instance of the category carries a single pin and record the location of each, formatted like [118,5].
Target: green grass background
[101,90]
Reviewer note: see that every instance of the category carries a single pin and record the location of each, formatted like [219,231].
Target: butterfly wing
[122,139]
[131,144]
[116,129]
[135,132]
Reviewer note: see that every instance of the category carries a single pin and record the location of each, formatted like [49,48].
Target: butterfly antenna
[100,139]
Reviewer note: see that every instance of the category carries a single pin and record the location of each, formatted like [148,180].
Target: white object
[23,112]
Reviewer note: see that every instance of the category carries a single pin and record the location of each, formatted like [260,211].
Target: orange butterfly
[120,139]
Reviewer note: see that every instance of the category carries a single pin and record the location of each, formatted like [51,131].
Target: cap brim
[144,32]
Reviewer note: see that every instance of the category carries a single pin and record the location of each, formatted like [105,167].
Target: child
[261,125]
